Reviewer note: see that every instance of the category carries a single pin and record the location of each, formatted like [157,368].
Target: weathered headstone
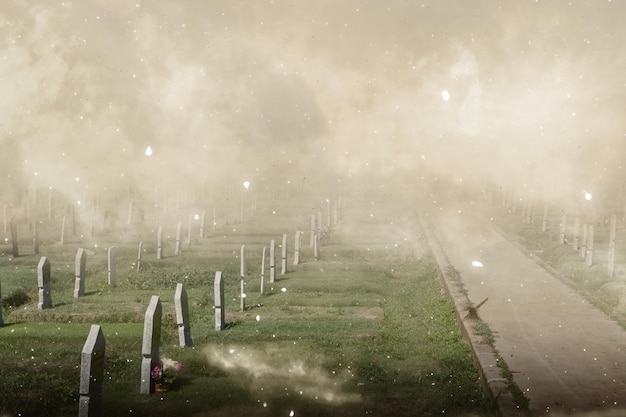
[1,319]
[14,241]
[43,282]
[283,265]
[312,239]
[611,261]
[182,315]
[296,251]
[590,246]
[151,342]
[139,254]
[242,275]
[160,243]
[92,374]
[272,261]
[36,238]
[112,271]
[179,229]
[583,242]
[220,310]
[263,270]
[81,263]
[63,231]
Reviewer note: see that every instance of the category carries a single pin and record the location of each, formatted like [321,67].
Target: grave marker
[63,231]
[1,320]
[296,251]
[179,229]
[81,263]
[112,264]
[220,310]
[263,270]
[312,239]
[14,241]
[182,315]
[316,245]
[139,254]
[242,275]
[611,261]
[43,282]
[272,261]
[92,373]
[160,243]
[283,266]
[151,342]
[590,246]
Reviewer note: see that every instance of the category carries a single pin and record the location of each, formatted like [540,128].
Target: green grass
[364,330]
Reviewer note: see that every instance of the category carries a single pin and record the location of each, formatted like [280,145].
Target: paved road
[566,356]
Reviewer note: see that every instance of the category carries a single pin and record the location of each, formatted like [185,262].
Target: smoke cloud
[310,91]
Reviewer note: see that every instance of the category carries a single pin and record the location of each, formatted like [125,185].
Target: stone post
[112,271]
[263,270]
[43,282]
[14,241]
[272,261]
[312,239]
[316,245]
[182,316]
[242,275]
[81,263]
[296,251]
[220,310]
[611,266]
[160,243]
[589,245]
[92,374]
[179,229]
[151,342]
[63,230]
[283,264]
[139,254]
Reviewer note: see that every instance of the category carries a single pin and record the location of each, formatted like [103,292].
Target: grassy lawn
[363,330]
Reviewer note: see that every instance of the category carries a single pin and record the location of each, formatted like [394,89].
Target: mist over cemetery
[289,208]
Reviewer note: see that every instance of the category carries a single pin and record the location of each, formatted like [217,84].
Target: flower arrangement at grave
[164,373]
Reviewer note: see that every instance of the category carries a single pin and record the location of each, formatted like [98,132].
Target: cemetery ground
[365,329]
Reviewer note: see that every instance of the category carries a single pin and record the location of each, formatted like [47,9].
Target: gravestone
[151,342]
[36,238]
[296,250]
[220,310]
[179,229]
[589,257]
[283,265]
[139,254]
[81,263]
[263,270]
[272,261]
[1,319]
[14,241]
[312,239]
[202,224]
[63,231]
[92,374]
[182,315]
[242,275]
[112,271]
[43,282]
[160,243]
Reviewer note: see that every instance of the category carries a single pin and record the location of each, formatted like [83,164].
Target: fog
[515,94]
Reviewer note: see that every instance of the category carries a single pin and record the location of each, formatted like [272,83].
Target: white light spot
[283,289]
[148,151]
[445,95]
[197,217]
[588,196]
[477,264]
[246,184]
[258,318]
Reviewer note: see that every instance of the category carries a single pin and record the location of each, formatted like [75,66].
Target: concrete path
[566,356]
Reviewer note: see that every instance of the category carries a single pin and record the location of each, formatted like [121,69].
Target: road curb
[494,385]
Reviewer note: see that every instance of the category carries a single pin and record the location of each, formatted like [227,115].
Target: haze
[514,94]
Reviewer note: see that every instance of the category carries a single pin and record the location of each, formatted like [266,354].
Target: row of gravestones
[92,355]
